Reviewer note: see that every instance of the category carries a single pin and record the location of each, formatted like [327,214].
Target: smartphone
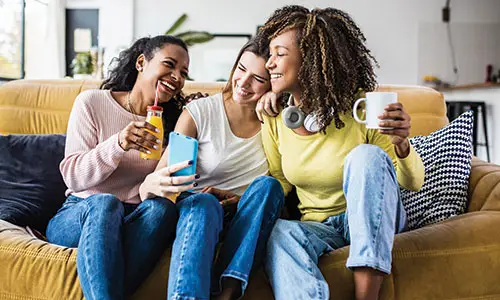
[182,148]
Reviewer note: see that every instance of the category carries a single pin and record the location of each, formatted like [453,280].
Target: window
[11,39]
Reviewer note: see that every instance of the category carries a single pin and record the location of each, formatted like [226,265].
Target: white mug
[375,104]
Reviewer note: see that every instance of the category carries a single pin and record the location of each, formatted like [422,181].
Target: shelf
[470,87]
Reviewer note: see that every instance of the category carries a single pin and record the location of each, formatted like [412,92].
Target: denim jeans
[118,244]
[374,214]
[192,268]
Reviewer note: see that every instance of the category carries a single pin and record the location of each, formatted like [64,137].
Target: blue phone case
[182,148]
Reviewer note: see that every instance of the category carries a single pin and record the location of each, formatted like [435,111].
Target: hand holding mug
[396,118]
[385,113]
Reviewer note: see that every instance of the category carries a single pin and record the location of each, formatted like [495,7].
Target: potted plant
[81,65]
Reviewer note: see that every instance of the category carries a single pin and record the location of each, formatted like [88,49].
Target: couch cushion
[446,155]
[31,187]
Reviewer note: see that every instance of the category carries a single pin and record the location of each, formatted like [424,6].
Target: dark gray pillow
[31,186]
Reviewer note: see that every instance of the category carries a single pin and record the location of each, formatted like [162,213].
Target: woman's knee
[366,155]
[105,204]
[160,208]
[270,188]
[203,203]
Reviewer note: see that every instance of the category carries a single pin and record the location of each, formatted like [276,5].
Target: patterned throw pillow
[446,154]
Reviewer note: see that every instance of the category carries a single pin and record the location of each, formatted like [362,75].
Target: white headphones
[293,117]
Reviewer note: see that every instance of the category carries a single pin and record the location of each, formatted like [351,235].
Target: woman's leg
[94,226]
[374,214]
[247,235]
[292,257]
[146,233]
[198,228]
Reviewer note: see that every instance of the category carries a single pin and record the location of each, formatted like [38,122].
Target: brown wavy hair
[336,64]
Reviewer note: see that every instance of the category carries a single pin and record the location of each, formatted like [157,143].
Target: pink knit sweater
[94,162]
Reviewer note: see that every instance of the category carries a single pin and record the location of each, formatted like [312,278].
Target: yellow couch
[455,259]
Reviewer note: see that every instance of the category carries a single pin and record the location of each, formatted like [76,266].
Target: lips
[242,92]
[168,85]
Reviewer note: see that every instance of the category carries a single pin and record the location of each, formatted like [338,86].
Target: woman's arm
[87,162]
[270,143]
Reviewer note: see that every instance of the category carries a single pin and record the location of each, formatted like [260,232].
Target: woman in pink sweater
[119,237]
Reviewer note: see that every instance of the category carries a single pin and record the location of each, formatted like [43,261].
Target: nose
[270,63]
[245,80]
[176,75]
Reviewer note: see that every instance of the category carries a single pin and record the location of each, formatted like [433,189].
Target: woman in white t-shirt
[232,196]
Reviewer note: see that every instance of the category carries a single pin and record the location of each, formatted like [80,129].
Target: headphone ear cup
[311,123]
[293,117]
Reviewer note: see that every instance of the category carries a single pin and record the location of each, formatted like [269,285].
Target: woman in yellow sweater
[346,175]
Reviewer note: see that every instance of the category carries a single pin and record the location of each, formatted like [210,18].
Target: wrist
[403,149]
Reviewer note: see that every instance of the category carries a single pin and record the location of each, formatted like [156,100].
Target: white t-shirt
[225,161]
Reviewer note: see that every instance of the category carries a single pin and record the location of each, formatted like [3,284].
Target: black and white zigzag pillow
[446,154]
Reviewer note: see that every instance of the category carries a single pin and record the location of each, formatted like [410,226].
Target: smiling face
[168,68]
[250,79]
[284,63]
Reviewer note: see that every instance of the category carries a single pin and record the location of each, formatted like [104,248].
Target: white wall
[391,26]
[116,23]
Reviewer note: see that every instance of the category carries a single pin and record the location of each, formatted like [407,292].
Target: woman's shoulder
[92,95]
[209,101]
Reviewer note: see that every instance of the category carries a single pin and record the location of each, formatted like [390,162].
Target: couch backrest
[43,106]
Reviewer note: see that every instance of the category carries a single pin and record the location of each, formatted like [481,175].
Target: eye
[259,80]
[184,75]
[169,63]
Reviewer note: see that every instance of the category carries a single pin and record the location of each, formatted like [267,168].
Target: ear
[139,63]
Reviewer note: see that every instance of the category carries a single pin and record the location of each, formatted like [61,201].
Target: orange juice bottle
[154,118]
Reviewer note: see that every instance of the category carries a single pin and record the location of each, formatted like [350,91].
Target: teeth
[168,85]
[240,91]
[275,76]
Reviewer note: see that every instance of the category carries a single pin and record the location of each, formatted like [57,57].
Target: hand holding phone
[182,148]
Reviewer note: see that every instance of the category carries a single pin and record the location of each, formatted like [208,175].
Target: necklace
[130,109]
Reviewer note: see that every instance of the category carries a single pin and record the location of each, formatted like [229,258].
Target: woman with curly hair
[119,237]
[346,176]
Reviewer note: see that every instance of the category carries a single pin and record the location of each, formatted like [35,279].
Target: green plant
[82,63]
[190,37]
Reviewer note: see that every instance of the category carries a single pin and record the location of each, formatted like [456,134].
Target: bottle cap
[155,107]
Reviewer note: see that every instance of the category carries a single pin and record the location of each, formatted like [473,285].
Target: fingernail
[197,176]
[154,146]
[195,184]
[157,130]
[190,162]
[148,152]
[158,141]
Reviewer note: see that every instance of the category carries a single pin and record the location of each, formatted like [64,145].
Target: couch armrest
[484,186]
[34,269]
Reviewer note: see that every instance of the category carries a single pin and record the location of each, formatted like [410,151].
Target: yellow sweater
[314,164]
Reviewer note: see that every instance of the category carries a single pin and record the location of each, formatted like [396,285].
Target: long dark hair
[123,74]
[336,63]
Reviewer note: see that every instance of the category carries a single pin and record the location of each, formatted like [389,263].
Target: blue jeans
[374,214]
[118,244]
[192,269]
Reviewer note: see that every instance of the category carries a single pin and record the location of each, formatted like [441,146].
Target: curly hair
[258,46]
[336,64]
[123,74]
